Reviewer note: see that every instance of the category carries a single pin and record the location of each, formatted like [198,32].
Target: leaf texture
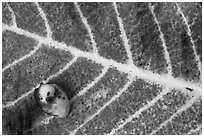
[127,68]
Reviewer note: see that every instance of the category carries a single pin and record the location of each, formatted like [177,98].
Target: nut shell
[52,100]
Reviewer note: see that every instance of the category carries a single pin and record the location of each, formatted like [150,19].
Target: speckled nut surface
[52,100]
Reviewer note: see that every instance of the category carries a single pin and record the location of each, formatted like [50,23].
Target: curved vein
[199,65]
[163,79]
[105,105]
[180,110]
[137,113]
[12,15]
[12,103]
[24,57]
[166,53]
[85,22]
[43,15]
[82,92]
[123,35]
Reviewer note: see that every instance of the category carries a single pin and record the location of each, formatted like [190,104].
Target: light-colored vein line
[62,70]
[123,35]
[85,22]
[24,57]
[163,79]
[195,130]
[166,53]
[199,65]
[180,110]
[104,71]
[43,15]
[138,113]
[131,79]
[12,15]
[82,92]
[12,103]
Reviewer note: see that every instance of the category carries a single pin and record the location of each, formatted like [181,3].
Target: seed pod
[52,100]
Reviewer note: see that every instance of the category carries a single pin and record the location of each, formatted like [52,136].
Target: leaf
[127,68]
